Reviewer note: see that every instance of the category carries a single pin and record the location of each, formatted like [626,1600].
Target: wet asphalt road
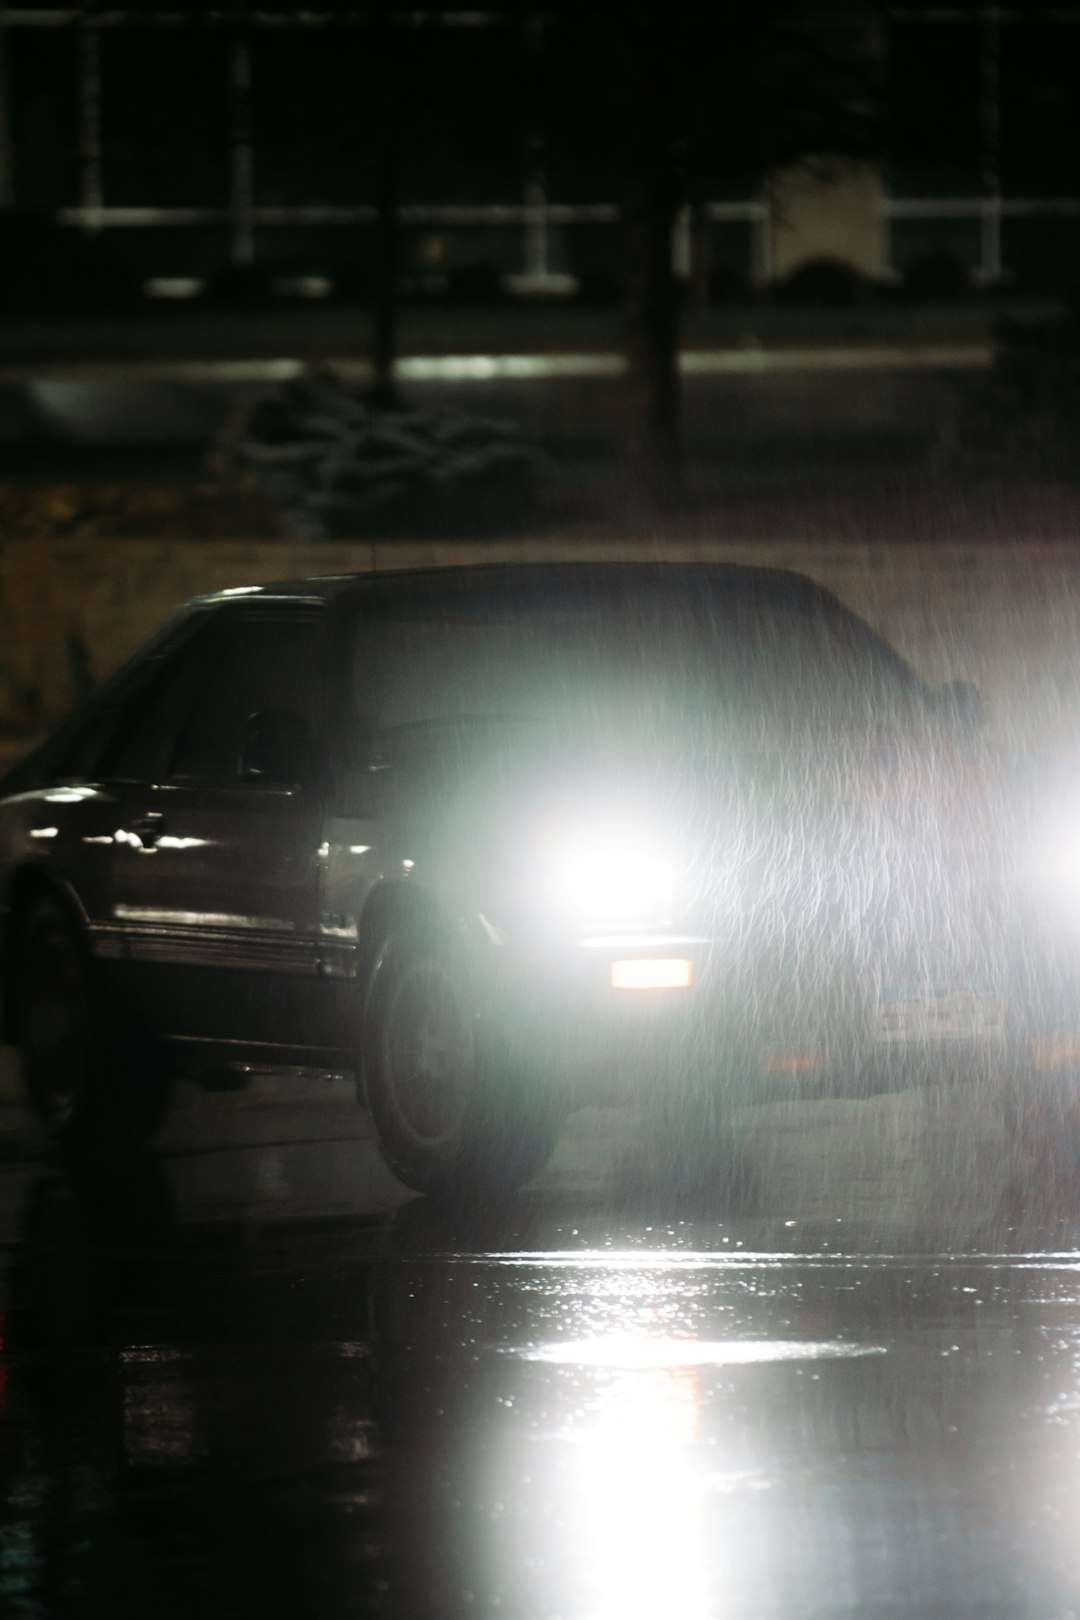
[250,1376]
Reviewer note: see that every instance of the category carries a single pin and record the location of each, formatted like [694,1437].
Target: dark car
[501,840]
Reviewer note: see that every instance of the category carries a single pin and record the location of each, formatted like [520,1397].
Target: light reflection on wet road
[249,1376]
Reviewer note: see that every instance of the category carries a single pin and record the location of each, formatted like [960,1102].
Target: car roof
[736,578]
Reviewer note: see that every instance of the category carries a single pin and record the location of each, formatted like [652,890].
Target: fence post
[7,177]
[241,195]
[990,142]
[91,182]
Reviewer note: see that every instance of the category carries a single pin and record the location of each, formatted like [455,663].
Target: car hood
[804,822]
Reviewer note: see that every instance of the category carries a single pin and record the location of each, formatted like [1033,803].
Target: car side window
[269,663]
[139,740]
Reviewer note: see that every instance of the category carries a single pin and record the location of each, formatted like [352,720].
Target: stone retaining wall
[1005,615]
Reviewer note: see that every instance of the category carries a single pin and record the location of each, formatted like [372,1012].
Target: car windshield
[737,657]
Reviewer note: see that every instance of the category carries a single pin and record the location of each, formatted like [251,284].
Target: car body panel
[219,881]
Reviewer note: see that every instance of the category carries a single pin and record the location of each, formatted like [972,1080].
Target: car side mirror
[962,701]
[276,746]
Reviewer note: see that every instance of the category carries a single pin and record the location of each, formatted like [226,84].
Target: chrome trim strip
[108,944]
[252,953]
[339,960]
[175,917]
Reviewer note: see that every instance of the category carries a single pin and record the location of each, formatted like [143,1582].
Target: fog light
[652,973]
[1050,1054]
[792,1061]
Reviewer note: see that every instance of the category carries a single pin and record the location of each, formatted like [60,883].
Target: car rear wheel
[454,1112]
[91,1079]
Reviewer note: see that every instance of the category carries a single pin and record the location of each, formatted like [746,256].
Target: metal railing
[535,215]
[989,212]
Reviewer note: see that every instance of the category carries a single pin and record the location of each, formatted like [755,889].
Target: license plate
[938,1015]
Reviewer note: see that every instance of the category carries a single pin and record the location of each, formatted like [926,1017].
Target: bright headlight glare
[609,880]
[1057,858]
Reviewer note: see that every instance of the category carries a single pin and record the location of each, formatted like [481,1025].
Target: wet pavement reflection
[226,1390]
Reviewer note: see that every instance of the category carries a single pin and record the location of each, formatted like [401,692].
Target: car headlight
[607,878]
[1056,861]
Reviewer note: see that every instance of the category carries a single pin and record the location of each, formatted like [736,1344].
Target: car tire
[454,1112]
[93,1080]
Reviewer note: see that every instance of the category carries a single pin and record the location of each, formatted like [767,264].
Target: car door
[360,850]
[79,800]
[216,871]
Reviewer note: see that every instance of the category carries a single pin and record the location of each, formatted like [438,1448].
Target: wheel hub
[429,1056]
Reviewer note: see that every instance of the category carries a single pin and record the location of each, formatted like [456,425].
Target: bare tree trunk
[700,260]
[651,203]
[386,291]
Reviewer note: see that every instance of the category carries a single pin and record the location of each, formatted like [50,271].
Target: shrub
[240,286]
[728,285]
[336,467]
[58,269]
[1024,418]
[824,284]
[936,277]
[354,282]
[478,284]
[600,288]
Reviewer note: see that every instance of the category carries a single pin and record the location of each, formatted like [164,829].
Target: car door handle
[145,830]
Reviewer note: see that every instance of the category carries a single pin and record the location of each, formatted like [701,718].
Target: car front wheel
[90,1078]
[454,1112]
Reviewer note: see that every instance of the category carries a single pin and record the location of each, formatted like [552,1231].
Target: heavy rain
[539,811]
